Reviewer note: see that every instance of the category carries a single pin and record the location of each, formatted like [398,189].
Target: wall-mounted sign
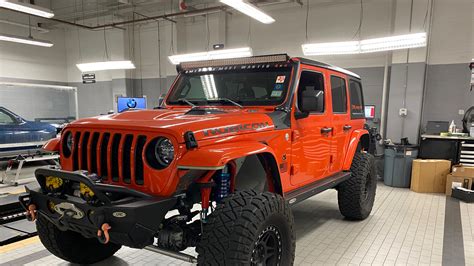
[88,78]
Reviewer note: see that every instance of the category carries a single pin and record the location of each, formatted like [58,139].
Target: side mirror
[301,115]
[311,101]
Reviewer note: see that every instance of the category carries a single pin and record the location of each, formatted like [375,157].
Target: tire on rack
[357,194]
[244,230]
[72,246]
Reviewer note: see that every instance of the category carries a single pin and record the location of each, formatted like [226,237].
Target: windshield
[248,87]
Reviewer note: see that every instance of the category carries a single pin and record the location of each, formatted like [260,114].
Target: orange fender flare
[52,145]
[215,157]
[353,143]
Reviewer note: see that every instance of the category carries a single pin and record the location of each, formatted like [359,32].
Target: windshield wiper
[227,100]
[187,102]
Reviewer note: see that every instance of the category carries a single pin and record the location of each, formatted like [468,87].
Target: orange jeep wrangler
[234,144]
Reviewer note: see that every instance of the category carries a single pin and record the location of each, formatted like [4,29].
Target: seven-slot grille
[103,152]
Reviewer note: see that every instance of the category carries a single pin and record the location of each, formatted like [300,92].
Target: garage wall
[448,91]
[85,46]
[406,91]
[21,61]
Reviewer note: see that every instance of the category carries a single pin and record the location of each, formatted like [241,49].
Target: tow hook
[103,233]
[31,213]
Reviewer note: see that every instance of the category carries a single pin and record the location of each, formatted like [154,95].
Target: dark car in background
[19,136]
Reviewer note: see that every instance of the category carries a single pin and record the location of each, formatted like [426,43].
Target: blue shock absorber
[223,184]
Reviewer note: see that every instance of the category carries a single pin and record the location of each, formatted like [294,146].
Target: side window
[357,99]
[5,118]
[311,92]
[339,95]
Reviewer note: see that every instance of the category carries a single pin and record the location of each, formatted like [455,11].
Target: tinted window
[357,100]
[339,95]
[5,118]
[311,85]
[249,86]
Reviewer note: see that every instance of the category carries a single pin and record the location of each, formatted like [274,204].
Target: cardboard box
[465,171]
[453,181]
[429,176]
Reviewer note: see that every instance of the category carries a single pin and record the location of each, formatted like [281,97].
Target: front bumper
[134,217]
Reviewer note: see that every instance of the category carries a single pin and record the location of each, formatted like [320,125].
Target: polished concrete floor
[404,228]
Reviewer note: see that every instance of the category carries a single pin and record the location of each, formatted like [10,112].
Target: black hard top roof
[328,66]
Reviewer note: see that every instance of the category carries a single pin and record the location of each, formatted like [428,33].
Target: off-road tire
[357,194]
[236,226]
[72,246]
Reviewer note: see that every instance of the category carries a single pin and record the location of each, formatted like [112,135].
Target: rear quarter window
[339,96]
[357,99]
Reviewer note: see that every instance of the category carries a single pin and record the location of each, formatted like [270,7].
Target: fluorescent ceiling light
[212,55]
[393,43]
[107,65]
[27,8]
[249,10]
[367,46]
[331,48]
[25,40]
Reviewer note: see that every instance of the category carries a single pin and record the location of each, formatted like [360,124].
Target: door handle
[346,127]
[326,130]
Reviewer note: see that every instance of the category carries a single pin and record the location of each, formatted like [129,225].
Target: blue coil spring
[222,180]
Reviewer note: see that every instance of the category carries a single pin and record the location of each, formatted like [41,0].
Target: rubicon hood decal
[177,122]
[235,128]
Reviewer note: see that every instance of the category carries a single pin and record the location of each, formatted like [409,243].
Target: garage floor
[404,228]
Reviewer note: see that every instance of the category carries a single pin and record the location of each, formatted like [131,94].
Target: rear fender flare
[359,139]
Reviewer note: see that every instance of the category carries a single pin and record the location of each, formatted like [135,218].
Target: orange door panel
[311,135]
[341,120]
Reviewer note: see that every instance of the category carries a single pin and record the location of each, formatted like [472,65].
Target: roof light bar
[398,42]
[107,65]
[212,55]
[223,64]
[25,40]
[249,10]
[27,8]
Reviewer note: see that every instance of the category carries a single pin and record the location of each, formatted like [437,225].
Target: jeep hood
[204,123]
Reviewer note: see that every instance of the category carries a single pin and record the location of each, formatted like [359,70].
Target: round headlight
[67,144]
[69,141]
[164,151]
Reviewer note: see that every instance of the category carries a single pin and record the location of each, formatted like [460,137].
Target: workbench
[457,149]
